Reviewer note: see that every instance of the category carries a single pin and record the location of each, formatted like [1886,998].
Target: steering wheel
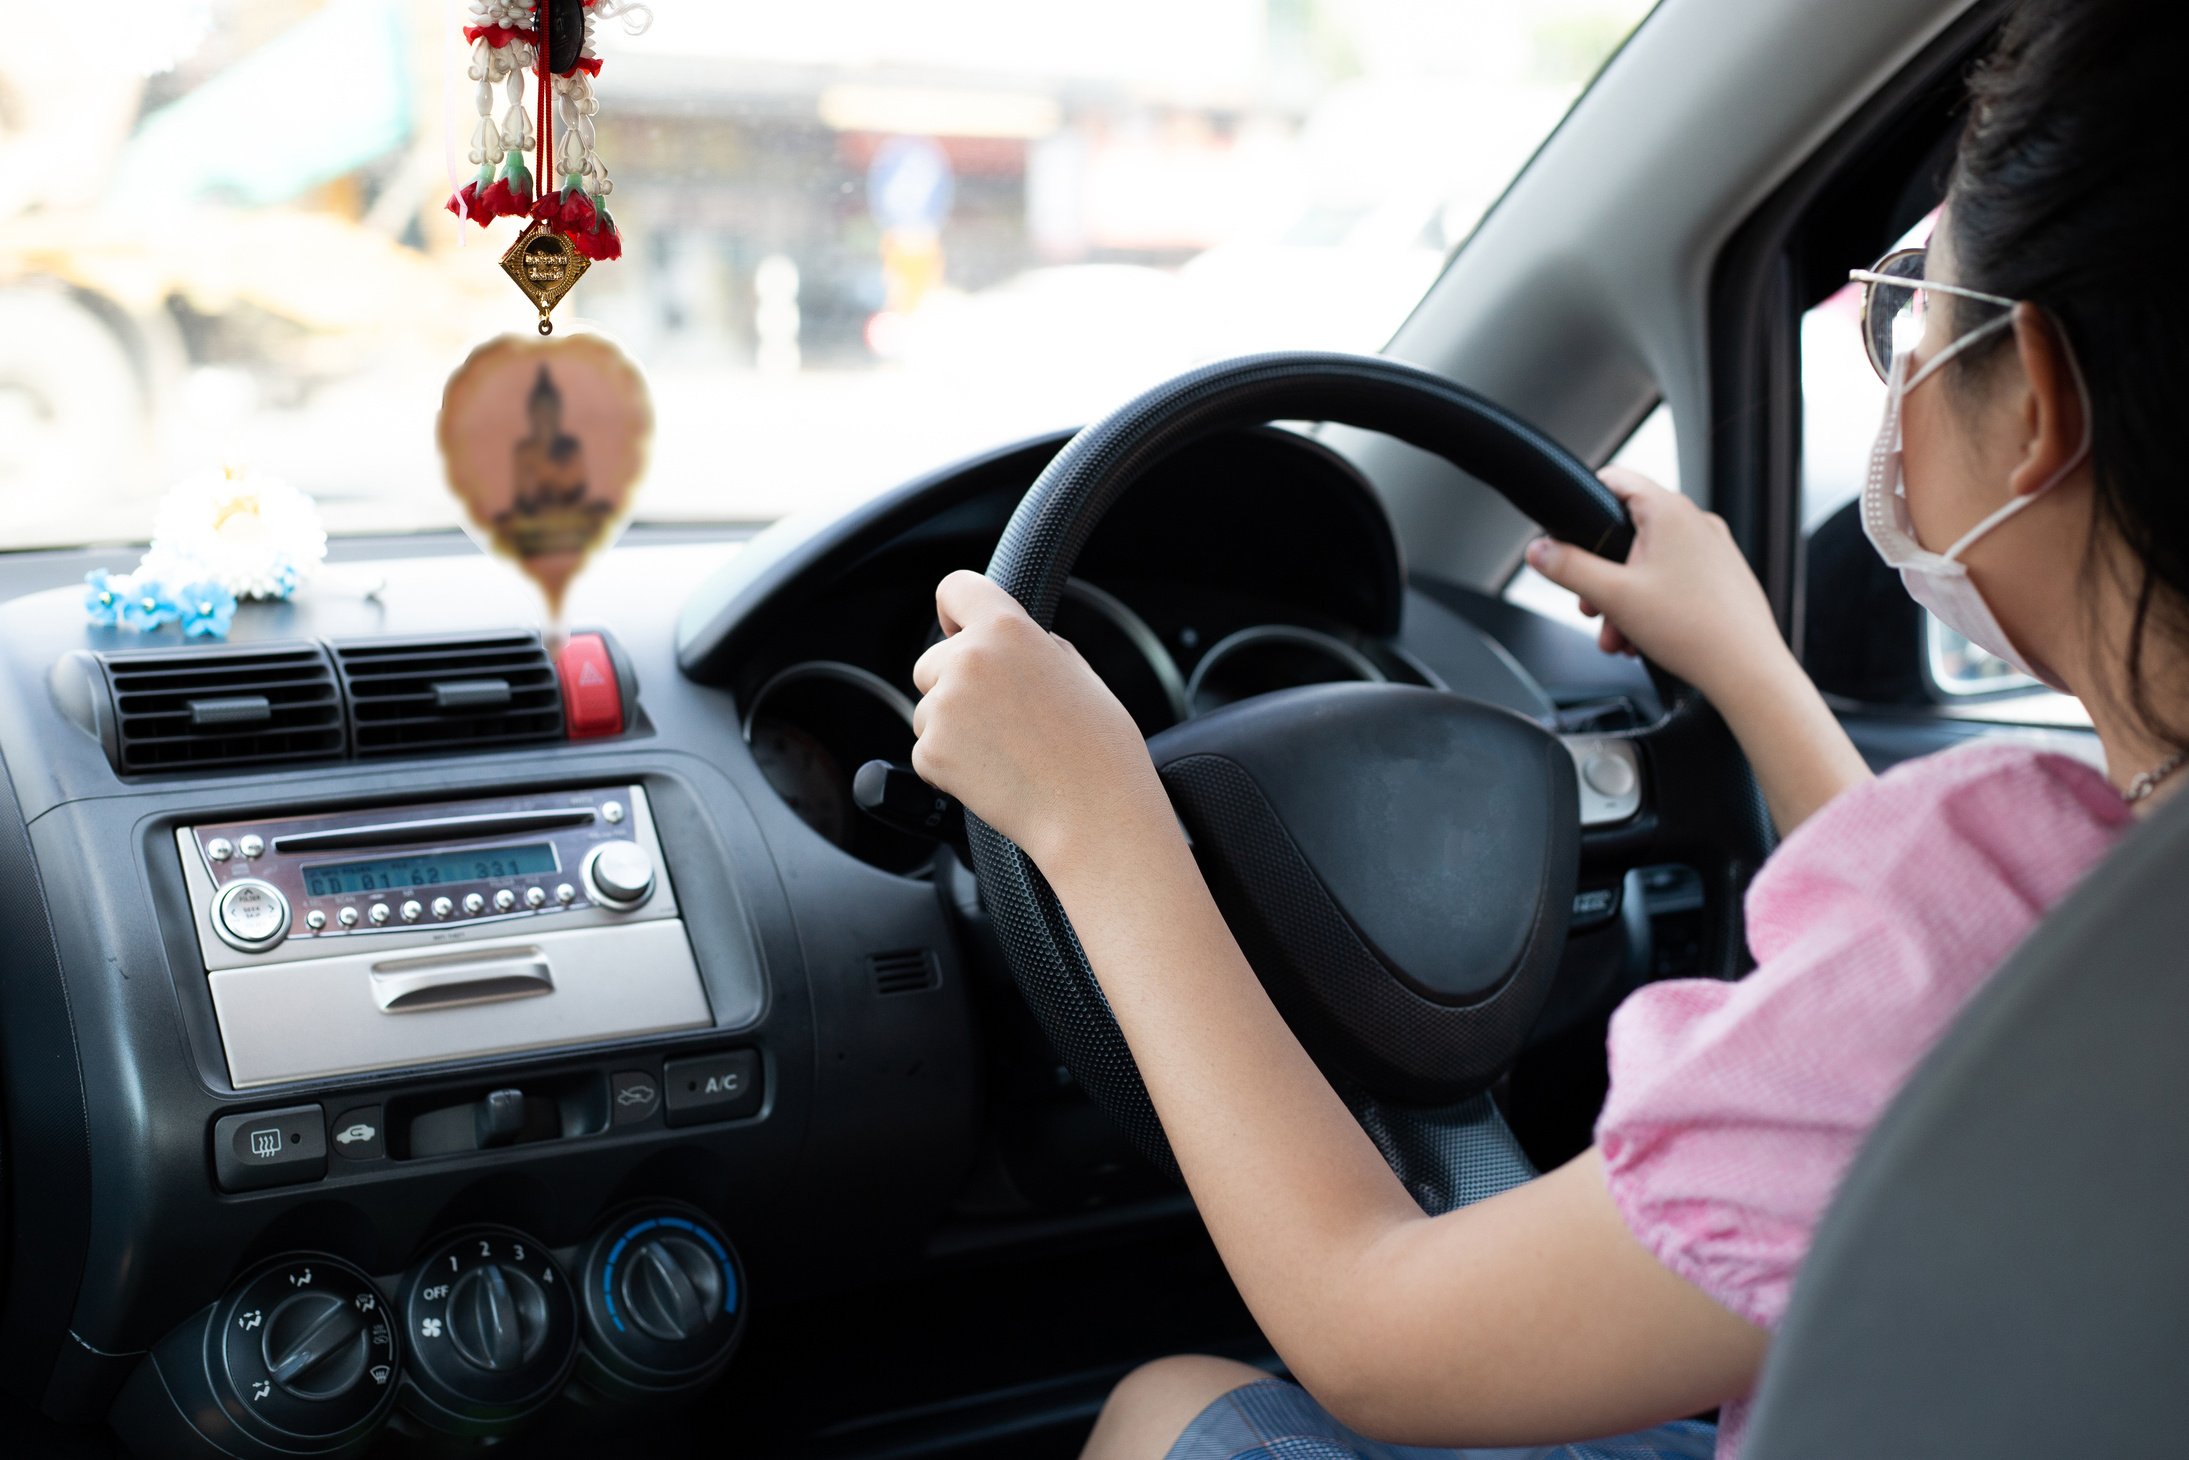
[1397,863]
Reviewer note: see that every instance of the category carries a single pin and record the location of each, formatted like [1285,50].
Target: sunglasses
[1894,303]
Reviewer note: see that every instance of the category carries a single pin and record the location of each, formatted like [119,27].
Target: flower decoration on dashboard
[103,595]
[255,536]
[205,609]
[568,227]
[148,605]
[220,536]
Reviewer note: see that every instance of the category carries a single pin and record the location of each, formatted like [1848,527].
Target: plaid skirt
[1274,1420]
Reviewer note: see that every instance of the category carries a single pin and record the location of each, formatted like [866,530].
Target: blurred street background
[861,237]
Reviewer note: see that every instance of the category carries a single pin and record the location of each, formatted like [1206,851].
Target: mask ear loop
[2024,499]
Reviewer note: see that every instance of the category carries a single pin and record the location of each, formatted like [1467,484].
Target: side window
[1653,450]
[1853,602]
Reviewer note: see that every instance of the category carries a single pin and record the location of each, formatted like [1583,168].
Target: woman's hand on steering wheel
[1685,596]
[1014,723]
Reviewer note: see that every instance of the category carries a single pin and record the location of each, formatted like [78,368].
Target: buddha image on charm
[545,443]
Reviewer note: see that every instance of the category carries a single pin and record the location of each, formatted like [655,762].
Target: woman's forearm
[1801,755]
[1292,1190]
[1533,1315]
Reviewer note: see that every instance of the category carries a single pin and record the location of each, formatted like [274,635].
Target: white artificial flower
[256,536]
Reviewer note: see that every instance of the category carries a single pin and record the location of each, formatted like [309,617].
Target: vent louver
[196,708]
[414,696]
[906,971]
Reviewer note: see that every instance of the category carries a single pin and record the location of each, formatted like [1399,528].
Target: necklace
[2146,782]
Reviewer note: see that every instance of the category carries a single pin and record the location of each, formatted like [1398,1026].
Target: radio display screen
[331,879]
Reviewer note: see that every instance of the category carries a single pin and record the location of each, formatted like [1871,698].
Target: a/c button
[711,1087]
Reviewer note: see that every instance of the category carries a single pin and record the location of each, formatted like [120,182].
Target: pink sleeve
[1736,1107]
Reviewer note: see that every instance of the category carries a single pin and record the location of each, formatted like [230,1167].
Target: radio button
[534,897]
[504,900]
[379,913]
[566,894]
[442,907]
[219,849]
[411,911]
[474,903]
[315,920]
[250,846]
[612,812]
[620,874]
[347,917]
[250,914]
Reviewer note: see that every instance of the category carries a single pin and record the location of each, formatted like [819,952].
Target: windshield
[863,237]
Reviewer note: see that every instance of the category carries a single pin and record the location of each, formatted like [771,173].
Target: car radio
[368,939]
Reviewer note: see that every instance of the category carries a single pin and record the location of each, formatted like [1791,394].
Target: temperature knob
[664,1302]
[493,1329]
[619,874]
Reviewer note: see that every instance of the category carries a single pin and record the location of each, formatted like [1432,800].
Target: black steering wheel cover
[1553,487]
[1053,520]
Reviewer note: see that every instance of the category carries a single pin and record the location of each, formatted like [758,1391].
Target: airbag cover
[1398,864]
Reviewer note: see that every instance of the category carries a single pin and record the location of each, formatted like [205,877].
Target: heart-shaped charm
[545,443]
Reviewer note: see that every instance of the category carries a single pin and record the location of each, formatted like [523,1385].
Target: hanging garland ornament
[544,441]
[569,228]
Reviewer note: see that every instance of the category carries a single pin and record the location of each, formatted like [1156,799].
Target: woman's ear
[2053,413]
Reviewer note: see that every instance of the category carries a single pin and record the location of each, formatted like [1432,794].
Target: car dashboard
[415,1032]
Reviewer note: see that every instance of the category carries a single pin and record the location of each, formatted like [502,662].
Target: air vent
[906,971]
[194,709]
[412,696]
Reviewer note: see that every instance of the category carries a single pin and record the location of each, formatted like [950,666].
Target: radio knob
[619,874]
[347,917]
[442,907]
[250,914]
[504,900]
[474,904]
[379,913]
[412,911]
[534,897]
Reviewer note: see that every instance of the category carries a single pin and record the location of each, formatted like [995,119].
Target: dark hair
[2066,192]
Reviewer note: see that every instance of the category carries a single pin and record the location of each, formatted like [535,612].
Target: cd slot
[433,829]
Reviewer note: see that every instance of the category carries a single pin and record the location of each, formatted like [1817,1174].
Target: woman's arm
[1685,597]
[1533,1316]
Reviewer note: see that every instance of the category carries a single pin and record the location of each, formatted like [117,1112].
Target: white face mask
[1940,581]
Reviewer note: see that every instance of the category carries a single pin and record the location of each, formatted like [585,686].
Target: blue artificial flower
[149,606]
[285,577]
[103,597]
[207,609]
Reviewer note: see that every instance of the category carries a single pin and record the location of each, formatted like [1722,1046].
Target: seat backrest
[2005,1271]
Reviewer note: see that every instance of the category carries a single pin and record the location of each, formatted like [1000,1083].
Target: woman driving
[2023,484]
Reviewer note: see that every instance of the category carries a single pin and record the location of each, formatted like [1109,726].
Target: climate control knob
[300,1357]
[317,1346]
[619,874]
[493,1329]
[497,1318]
[664,1302]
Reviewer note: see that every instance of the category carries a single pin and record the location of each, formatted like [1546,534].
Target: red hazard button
[592,701]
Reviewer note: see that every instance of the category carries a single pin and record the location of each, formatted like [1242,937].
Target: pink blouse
[1736,1107]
